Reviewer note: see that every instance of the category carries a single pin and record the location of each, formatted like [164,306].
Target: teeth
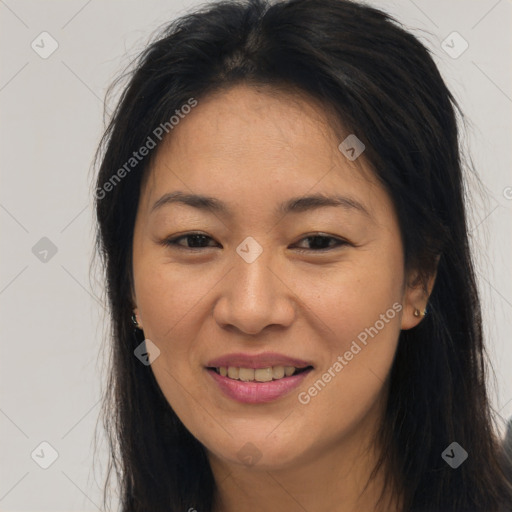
[246,374]
[278,372]
[288,370]
[258,375]
[263,374]
[233,372]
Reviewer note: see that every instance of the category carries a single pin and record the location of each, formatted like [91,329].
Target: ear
[137,317]
[135,310]
[416,294]
[134,307]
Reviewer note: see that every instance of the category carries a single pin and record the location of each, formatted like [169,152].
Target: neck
[335,479]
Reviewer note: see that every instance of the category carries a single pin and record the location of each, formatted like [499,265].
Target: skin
[253,149]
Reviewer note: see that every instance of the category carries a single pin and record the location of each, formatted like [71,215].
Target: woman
[281,216]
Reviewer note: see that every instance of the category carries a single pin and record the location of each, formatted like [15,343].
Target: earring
[138,334]
[134,320]
[417,312]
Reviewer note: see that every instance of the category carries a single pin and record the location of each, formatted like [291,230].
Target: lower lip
[257,392]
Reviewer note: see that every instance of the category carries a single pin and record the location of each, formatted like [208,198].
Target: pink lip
[257,392]
[256,361]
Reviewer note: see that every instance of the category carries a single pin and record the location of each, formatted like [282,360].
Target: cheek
[166,295]
[169,300]
[360,312]
[173,305]
[348,392]
[351,298]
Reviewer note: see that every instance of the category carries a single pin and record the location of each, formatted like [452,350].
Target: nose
[255,296]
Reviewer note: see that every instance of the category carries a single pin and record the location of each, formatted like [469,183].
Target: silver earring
[134,320]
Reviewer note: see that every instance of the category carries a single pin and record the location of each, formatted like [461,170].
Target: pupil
[322,242]
[196,238]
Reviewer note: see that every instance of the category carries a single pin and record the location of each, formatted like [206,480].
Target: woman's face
[273,274]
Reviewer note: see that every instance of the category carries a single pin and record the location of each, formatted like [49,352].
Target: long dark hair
[383,85]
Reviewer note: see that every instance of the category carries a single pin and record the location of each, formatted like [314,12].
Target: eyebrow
[293,205]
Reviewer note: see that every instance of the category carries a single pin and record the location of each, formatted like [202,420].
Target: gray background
[52,316]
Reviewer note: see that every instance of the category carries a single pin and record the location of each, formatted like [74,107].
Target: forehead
[246,141]
[245,119]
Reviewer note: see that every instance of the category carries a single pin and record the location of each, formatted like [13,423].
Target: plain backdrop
[52,315]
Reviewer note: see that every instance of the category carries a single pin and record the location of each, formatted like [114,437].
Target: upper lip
[263,360]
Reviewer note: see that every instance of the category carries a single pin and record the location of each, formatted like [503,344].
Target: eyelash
[173,242]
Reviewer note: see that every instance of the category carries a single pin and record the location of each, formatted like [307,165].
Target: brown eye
[194,241]
[197,241]
[323,243]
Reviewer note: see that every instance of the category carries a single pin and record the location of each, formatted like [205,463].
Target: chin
[260,453]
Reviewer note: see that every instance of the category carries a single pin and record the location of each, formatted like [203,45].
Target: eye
[196,241]
[322,243]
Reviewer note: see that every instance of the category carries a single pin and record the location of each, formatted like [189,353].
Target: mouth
[268,374]
[257,385]
[257,378]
